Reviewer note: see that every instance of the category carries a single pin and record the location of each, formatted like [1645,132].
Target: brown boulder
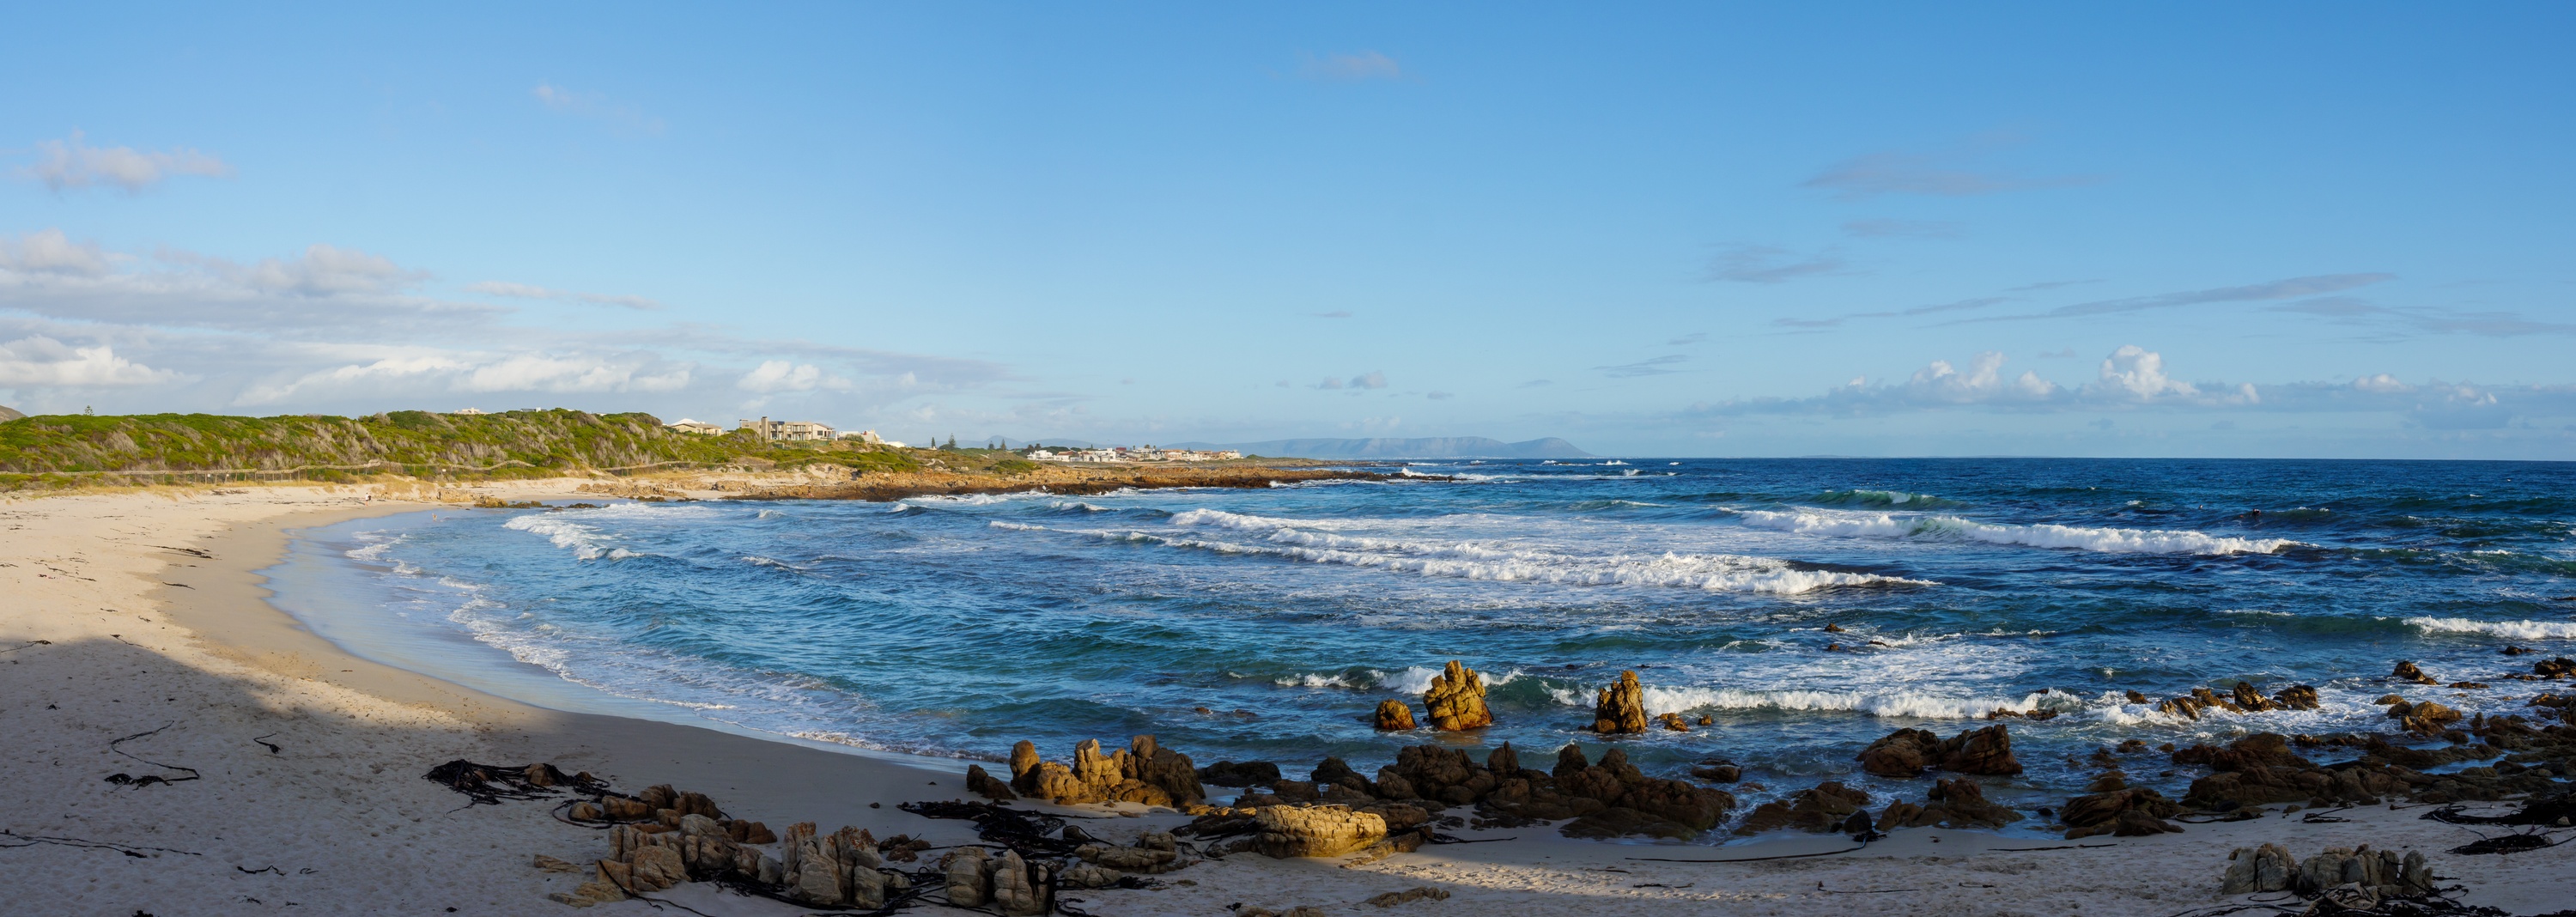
[1903,753]
[2246,697]
[2296,697]
[1953,803]
[1394,716]
[983,784]
[2560,667]
[1456,700]
[1823,808]
[1621,707]
[1290,831]
[1985,751]
[2406,671]
[2086,816]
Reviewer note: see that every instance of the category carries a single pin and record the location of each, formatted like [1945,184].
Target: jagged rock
[1130,859]
[655,868]
[1953,803]
[2101,813]
[551,864]
[620,808]
[1246,773]
[2406,671]
[1024,766]
[970,877]
[982,784]
[1985,751]
[1456,700]
[1288,832]
[2297,697]
[1621,821]
[1823,808]
[1085,875]
[2251,700]
[1394,716]
[1718,773]
[2561,667]
[1621,707]
[1503,762]
[1336,772]
[1391,899]
[1673,721]
[1903,753]
[696,804]
[1021,888]
[1399,817]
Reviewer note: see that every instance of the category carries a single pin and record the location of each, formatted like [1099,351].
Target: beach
[139,641]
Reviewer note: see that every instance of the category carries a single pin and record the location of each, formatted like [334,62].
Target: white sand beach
[135,639]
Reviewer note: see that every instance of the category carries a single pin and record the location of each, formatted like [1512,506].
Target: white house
[794,431]
[685,425]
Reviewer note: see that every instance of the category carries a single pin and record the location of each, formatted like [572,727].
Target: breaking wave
[2108,540]
[2518,630]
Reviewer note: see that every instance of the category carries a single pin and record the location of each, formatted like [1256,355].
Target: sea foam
[2517,630]
[2109,540]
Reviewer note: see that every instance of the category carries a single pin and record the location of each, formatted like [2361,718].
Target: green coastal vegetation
[79,450]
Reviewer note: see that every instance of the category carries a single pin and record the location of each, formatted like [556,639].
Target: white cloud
[531,291]
[1371,379]
[324,270]
[72,163]
[2382,382]
[785,376]
[2140,373]
[48,251]
[1982,383]
[43,361]
[1363,65]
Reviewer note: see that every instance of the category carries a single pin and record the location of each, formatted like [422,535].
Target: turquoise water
[1268,623]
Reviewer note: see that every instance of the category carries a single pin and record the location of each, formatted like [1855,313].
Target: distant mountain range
[1382,447]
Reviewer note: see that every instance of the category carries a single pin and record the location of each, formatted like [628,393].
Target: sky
[1689,229]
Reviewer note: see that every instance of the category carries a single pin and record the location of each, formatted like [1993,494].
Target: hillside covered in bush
[50,451]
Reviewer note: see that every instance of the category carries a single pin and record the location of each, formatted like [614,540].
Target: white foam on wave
[1916,704]
[1497,562]
[2109,540]
[585,542]
[2517,630]
[374,553]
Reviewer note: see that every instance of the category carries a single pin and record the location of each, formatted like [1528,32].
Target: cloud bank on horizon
[1125,228]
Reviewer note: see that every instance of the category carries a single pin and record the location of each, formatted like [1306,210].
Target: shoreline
[355,736]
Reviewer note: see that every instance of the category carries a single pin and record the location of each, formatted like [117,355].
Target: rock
[1621,821]
[1903,753]
[1456,700]
[1288,832]
[2406,671]
[1391,899]
[2470,685]
[1247,773]
[2246,697]
[1336,772]
[2415,878]
[2137,823]
[1085,875]
[1130,859]
[970,877]
[620,808]
[655,868]
[982,784]
[696,804]
[1985,752]
[1953,803]
[2273,868]
[2101,813]
[1020,888]
[587,811]
[550,864]
[1823,808]
[1504,763]
[1621,707]
[1024,766]
[1674,722]
[659,796]
[2561,667]
[1394,716]
[2239,877]
[1718,773]
[2297,697]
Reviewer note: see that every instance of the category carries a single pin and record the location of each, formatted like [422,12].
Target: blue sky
[1686,229]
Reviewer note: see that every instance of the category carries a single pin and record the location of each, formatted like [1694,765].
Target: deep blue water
[1267,624]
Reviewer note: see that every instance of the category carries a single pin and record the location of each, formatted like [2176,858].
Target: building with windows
[789,431]
[685,425]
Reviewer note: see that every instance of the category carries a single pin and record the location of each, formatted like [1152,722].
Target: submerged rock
[2406,671]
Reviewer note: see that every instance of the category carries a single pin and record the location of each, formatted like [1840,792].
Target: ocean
[1267,624]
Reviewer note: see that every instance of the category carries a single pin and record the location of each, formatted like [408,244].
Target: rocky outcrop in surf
[1909,752]
[2242,699]
[1141,773]
[1621,707]
[1456,700]
[1393,716]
